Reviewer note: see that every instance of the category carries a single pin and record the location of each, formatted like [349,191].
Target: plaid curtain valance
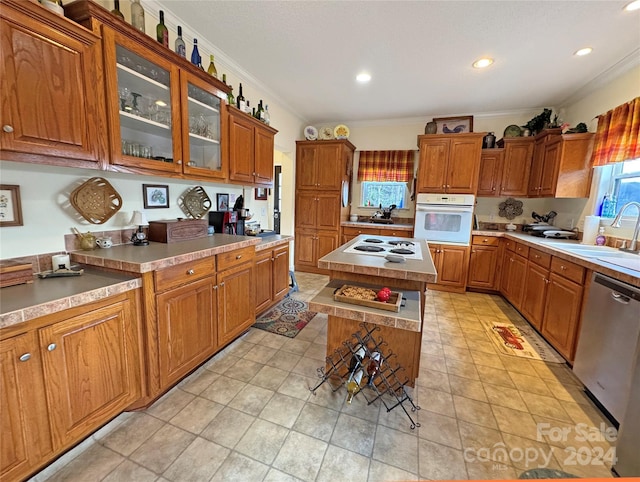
[386,166]
[617,134]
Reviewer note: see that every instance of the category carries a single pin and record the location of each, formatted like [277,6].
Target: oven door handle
[448,209]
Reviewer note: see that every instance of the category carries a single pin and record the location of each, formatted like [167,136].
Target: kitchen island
[402,330]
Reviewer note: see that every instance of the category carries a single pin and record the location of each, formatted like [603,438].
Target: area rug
[287,318]
[521,340]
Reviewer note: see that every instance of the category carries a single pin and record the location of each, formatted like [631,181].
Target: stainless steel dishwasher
[609,342]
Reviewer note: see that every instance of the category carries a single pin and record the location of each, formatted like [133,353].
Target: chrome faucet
[616,224]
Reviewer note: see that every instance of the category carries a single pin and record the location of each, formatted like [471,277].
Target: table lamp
[139,238]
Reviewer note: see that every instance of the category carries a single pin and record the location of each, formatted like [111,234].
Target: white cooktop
[381,247]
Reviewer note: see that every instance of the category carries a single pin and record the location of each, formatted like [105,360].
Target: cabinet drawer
[568,269]
[237,256]
[540,258]
[522,250]
[184,273]
[510,245]
[486,241]
[351,231]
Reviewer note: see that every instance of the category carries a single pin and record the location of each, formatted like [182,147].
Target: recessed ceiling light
[584,51]
[482,63]
[363,77]
[635,5]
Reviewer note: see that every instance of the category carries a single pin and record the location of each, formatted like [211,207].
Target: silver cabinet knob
[7,128]
[25,357]
[215,287]
[222,284]
[52,347]
[179,161]
[239,256]
[190,271]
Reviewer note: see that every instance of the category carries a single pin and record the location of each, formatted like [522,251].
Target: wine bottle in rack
[356,359]
[353,385]
[240,103]
[162,32]
[180,47]
[373,368]
[137,15]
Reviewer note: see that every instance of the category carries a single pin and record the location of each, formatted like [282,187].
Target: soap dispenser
[601,240]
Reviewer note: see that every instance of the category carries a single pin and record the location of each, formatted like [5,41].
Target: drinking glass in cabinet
[204,129]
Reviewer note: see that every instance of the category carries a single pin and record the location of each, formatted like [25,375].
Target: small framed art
[155,196]
[454,125]
[222,201]
[261,194]
[10,207]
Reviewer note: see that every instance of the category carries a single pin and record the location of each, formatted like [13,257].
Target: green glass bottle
[116,9]
[162,32]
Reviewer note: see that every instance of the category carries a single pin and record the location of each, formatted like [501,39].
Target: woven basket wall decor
[96,200]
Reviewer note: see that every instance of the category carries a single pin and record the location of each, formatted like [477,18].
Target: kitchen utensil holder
[386,385]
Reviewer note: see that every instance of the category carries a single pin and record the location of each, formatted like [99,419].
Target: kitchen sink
[592,251]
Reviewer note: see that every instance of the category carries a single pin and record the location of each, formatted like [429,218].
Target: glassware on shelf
[135,110]
[124,98]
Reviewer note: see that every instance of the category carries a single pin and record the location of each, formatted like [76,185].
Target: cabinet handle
[179,161]
[7,128]
[485,240]
[215,287]
[563,267]
[239,256]
[25,357]
[52,347]
[493,188]
[511,259]
[190,271]
[536,256]
[222,284]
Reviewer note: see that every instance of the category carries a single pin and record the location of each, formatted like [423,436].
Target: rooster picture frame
[454,125]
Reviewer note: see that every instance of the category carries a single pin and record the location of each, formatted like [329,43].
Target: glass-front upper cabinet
[201,144]
[143,105]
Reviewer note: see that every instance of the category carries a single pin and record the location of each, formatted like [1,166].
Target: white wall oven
[444,218]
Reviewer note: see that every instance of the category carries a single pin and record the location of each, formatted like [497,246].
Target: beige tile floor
[248,415]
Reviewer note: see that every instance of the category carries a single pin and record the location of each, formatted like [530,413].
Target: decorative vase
[489,141]
[431,128]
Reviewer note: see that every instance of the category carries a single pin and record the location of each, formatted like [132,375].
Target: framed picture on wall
[261,194]
[155,196]
[222,201]
[10,207]
[454,125]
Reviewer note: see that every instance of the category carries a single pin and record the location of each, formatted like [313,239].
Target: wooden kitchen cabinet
[236,300]
[322,168]
[518,154]
[66,376]
[250,149]
[350,232]
[561,165]
[271,277]
[449,163]
[25,436]
[514,267]
[452,264]
[536,284]
[490,175]
[51,89]
[484,263]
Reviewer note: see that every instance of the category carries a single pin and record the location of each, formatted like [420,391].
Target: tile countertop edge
[79,298]
[618,272]
[364,224]
[268,242]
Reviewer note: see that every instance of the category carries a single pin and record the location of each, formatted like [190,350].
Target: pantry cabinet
[490,176]
[562,165]
[518,152]
[271,277]
[451,264]
[484,263]
[51,89]
[250,149]
[65,375]
[449,163]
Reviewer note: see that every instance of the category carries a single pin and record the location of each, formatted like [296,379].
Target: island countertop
[365,264]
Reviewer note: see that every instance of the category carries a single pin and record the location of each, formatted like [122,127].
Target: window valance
[386,166]
[617,134]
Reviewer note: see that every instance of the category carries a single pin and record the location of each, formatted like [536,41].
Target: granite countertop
[408,318]
[141,259]
[617,272]
[25,302]
[267,242]
[365,224]
[411,269]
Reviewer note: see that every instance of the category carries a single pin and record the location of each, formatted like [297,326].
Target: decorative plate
[326,133]
[195,202]
[310,133]
[512,131]
[341,132]
[96,200]
[510,208]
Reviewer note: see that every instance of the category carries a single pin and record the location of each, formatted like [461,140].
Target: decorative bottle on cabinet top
[195,54]
[116,9]
[162,33]
[137,15]
[212,68]
[179,46]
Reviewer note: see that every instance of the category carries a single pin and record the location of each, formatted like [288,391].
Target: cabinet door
[264,280]
[454,263]
[562,314]
[463,166]
[143,106]
[306,209]
[534,295]
[513,278]
[536,168]
[305,242]
[432,170]
[517,166]
[91,367]
[236,302]
[490,176]
[549,175]
[329,170]
[241,149]
[328,210]
[482,267]
[306,165]
[280,272]
[263,156]
[186,329]
[24,426]
[202,138]
[50,92]
[326,241]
